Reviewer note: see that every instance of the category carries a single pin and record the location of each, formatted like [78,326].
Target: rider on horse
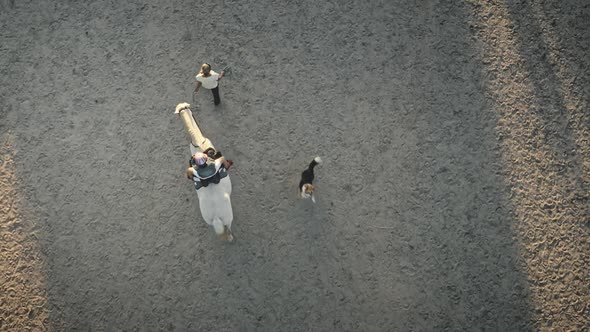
[207,167]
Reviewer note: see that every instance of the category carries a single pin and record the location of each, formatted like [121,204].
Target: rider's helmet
[200,158]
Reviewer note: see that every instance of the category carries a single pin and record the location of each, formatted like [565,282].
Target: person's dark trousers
[216,98]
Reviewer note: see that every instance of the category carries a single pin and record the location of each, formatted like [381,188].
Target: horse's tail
[314,162]
[218,226]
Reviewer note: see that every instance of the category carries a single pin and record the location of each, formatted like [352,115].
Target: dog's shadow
[313,217]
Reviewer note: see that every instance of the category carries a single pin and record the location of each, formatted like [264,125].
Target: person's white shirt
[209,82]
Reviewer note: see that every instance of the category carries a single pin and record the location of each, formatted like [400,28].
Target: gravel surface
[453,194]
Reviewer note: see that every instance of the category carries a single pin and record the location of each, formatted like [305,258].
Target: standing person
[209,79]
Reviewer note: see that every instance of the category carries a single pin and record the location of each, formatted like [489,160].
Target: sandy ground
[453,194]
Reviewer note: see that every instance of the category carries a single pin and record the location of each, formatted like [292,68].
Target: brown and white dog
[306,187]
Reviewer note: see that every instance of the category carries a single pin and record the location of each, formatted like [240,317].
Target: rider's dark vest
[207,174]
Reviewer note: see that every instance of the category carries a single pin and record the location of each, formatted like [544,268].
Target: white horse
[214,199]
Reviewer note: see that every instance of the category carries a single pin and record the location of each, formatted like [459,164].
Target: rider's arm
[191,174]
[221,161]
[225,162]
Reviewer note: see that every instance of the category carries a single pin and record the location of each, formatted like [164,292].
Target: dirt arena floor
[453,195]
